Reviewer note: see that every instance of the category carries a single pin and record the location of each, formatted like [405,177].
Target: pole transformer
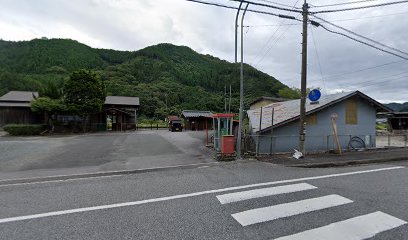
[241,87]
[303,81]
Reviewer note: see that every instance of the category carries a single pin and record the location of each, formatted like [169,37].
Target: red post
[206,132]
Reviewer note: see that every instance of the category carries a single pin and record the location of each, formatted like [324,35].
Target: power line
[280,4]
[362,7]
[269,6]
[270,38]
[318,61]
[377,16]
[381,82]
[273,25]
[361,36]
[362,42]
[373,80]
[340,4]
[235,8]
[363,69]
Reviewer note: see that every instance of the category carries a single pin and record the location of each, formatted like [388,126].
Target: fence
[269,144]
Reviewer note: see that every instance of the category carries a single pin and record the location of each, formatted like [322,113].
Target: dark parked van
[175,124]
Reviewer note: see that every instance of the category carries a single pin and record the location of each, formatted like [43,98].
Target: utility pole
[303,81]
[236,32]
[241,87]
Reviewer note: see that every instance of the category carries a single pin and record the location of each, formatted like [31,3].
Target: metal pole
[236,33]
[225,98]
[271,146]
[241,88]
[303,81]
[229,104]
[258,137]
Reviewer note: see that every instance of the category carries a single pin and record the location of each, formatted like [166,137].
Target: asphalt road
[42,156]
[187,204]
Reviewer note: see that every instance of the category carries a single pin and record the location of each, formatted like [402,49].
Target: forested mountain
[398,107]
[186,79]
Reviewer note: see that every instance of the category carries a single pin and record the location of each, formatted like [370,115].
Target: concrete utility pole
[241,87]
[303,81]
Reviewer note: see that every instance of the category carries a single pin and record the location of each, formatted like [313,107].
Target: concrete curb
[348,162]
[111,173]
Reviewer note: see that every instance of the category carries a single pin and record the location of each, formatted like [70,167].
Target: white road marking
[187,195]
[357,228]
[270,213]
[263,192]
[78,177]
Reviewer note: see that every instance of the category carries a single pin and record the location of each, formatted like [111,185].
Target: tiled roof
[290,110]
[194,113]
[19,96]
[120,100]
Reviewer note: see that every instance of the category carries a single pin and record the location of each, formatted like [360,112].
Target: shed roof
[195,113]
[288,111]
[121,100]
[19,96]
[173,118]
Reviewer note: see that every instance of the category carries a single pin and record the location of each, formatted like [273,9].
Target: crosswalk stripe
[263,192]
[270,213]
[357,228]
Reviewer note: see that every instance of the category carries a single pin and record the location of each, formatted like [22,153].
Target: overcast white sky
[271,44]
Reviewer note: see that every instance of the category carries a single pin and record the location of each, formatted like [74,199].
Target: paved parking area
[36,156]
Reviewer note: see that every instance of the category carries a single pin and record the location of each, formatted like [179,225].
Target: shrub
[24,129]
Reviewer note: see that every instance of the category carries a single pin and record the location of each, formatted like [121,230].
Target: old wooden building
[15,108]
[197,120]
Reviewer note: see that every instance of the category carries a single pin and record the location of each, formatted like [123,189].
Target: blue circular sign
[314,95]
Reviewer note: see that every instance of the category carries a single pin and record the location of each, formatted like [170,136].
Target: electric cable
[363,69]
[362,42]
[236,8]
[269,6]
[269,40]
[377,16]
[280,4]
[362,7]
[318,61]
[344,3]
[361,36]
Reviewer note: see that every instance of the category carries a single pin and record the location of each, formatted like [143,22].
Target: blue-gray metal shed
[356,117]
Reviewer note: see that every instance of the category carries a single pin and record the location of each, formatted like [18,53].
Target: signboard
[314,95]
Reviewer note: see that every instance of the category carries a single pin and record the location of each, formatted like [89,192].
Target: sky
[271,44]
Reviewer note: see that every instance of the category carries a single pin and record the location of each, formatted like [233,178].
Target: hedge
[24,129]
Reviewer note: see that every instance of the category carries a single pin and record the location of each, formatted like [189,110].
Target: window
[351,112]
[311,119]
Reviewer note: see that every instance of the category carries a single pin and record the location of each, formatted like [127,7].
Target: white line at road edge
[117,205]
[263,192]
[358,228]
[270,213]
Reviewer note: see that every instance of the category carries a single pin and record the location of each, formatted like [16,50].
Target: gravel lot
[103,151]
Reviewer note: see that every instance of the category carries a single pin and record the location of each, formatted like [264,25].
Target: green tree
[84,94]
[49,107]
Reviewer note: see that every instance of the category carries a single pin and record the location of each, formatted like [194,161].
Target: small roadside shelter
[197,120]
[120,112]
[397,121]
[15,108]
